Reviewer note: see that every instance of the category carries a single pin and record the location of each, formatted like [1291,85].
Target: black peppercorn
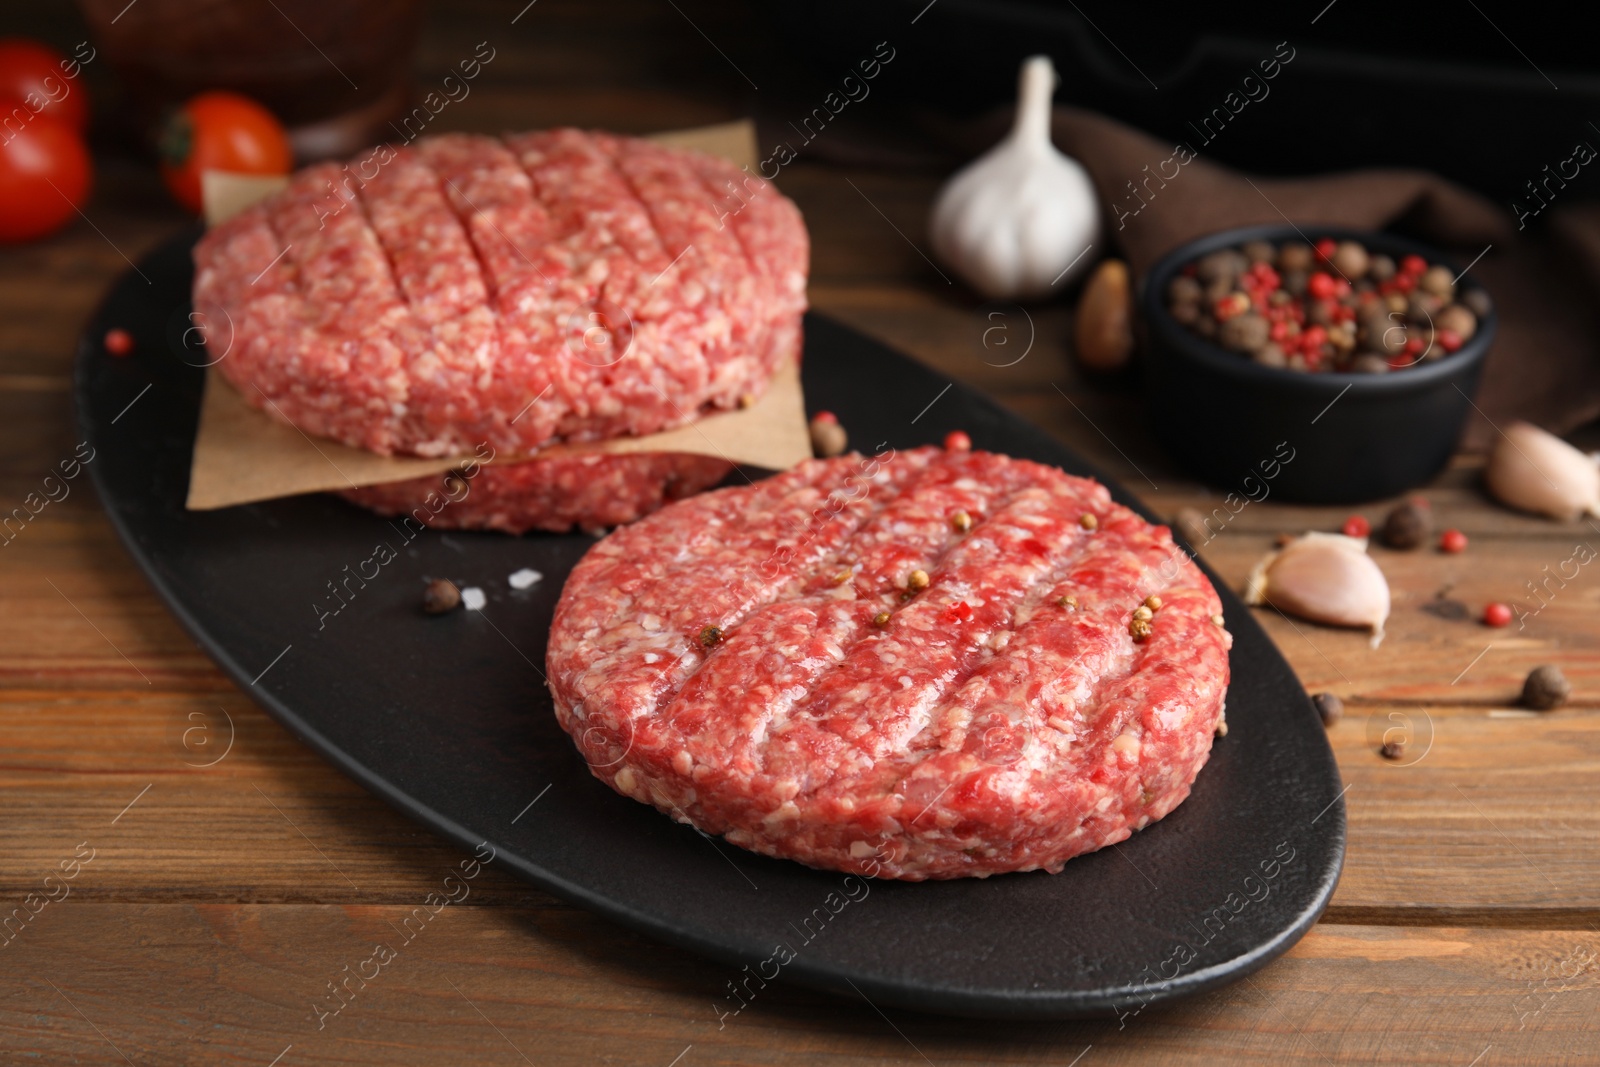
[1408,525]
[440,596]
[1184,290]
[1329,707]
[1546,689]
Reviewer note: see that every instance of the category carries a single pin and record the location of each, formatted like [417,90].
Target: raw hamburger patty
[836,717]
[469,290]
[556,494]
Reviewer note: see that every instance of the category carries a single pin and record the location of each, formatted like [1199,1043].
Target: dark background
[1482,91]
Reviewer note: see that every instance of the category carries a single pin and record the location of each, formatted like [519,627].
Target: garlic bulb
[1536,471]
[1015,220]
[1326,578]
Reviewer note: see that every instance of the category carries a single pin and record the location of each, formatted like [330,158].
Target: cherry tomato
[1357,526]
[37,77]
[1452,541]
[220,131]
[1497,614]
[44,176]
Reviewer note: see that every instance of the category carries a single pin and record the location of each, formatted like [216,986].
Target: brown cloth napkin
[1543,367]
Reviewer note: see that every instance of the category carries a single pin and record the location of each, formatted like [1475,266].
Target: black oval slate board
[448,720]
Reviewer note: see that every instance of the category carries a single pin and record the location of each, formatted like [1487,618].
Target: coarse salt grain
[472,598]
[525,578]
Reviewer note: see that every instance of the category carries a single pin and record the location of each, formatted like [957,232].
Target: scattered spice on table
[440,596]
[1546,688]
[1408,525]
[119,342]
[1329,708]
[828,438]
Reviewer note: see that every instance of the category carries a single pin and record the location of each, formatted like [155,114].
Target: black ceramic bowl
[1348,437]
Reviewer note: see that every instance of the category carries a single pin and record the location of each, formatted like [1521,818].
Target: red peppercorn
[1356,526]
[1341,288]
[825,416]
[1415,346]
[119,342]
[1231,305]
[1279,332]
[1326,248]
[1448,340]
[1497,614]
[1404,283]
[1452,541]
[957,441]
[1413,265]
[1313,337]
[1321,286]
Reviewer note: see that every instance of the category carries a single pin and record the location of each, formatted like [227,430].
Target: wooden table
[221,900]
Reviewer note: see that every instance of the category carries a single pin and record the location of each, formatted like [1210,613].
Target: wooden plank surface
[235,874]
[507,985]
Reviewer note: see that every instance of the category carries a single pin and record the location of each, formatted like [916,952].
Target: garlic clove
[1103,327]
[1327,578]
[1012,222]
[1532,470]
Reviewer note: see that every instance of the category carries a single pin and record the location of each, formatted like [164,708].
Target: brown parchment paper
[243,455]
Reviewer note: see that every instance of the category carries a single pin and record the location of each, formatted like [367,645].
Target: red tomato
[44,176]
[220,131]
[38,77]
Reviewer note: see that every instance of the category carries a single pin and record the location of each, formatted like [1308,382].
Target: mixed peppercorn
[1332,306]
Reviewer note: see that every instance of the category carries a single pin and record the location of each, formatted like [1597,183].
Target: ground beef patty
[471,290]
[590,491]
[765,662]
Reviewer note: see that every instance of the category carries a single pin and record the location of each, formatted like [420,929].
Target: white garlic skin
[1011,222]
[1327,578]
[1532,470]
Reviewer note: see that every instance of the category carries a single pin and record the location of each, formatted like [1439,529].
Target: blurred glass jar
[335,72]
